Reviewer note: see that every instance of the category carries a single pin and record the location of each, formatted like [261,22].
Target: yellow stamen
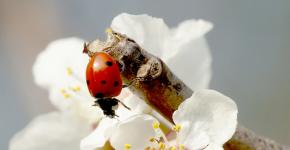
[152,139]
[181,147]
[177,128]
[76,88]
[173,148]
[109,31]
[161,146]
[155,125]
[62,91]
[66,96]
[149,148]
[127,146]
[69,71]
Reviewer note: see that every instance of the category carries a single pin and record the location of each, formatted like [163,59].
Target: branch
[164,91]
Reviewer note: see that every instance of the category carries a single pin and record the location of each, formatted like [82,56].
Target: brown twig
[164,91]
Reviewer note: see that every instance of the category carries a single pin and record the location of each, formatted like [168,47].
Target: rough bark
[161,89]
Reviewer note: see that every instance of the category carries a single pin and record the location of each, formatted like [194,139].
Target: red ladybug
[104,81]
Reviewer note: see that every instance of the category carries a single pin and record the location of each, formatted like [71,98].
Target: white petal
[207,113]
[184,46]
[187,53]
[185,33]
[135,131]
[98,138]
[78,103]
[51,71]
[50,67]
[147,31]
[137,105]
[50,132]
[192,137]
[214,147]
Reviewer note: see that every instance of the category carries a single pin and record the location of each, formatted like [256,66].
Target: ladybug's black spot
[103,81]
[99,95]
[109,63]
[116,83]
[88,82]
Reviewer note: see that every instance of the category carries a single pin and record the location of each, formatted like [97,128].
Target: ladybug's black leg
[122,103]
[125,86]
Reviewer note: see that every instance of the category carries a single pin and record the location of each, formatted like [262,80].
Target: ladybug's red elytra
[104,81]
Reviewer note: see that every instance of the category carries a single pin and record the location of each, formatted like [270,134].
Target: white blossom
[60,69]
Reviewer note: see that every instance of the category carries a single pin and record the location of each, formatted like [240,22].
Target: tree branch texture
[162,90]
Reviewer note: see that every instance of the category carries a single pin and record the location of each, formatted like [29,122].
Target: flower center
[160,142]
[127,146]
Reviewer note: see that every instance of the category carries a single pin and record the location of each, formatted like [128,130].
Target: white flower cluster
[206,120]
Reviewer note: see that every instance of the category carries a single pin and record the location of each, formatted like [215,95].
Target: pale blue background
[250,45]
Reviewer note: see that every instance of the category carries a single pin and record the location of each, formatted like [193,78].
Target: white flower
[206,120]
[181,47]
[52,131]
[60,68]
[134,132]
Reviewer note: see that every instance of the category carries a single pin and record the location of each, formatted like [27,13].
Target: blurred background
[250,45]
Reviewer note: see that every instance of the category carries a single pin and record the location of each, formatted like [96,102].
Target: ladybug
[104,81]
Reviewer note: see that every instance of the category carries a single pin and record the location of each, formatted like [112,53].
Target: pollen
[177,128]
[156,125]
[127,146]
[76,88]
[173,148]
[152,139]
[62,91]
[181,147]
[69,71]
[161,146]
[109,31]
[65,94]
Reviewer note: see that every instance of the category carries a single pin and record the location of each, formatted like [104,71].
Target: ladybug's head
[110,113]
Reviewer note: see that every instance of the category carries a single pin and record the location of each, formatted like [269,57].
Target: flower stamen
[76,88]
[176,128]
[181,147]
[152,140]
[69,71]
[75,76]
[65,94]
[127,146]
[156,125]
[161,146]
